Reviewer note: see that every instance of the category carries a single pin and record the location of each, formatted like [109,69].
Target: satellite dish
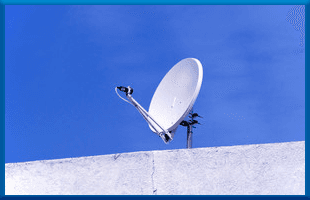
[176,94]
[173,99]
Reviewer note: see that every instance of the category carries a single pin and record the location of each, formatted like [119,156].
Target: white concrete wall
[267,169]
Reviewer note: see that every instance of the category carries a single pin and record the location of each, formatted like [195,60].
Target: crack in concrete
[116,156]
[152,176]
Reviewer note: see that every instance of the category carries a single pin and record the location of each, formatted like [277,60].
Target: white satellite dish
[173,99]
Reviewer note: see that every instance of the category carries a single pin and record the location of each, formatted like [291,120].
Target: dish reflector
[176,94]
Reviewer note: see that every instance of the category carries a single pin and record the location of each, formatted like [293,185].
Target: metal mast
[189,124]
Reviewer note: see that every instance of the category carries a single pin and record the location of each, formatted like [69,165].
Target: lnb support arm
[163,133]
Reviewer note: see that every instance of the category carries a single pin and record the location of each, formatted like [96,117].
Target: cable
[122,97]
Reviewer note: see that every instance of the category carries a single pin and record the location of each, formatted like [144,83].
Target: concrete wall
[268,169]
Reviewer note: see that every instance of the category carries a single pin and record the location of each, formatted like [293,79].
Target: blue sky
[62,64]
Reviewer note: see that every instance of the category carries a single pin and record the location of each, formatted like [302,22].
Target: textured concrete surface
[262,169]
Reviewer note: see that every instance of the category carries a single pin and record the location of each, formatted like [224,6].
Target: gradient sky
[62,64]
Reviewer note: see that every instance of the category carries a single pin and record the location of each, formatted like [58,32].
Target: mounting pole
[189,136]
[189,124]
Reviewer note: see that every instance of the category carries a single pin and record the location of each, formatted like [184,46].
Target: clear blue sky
[62,64]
